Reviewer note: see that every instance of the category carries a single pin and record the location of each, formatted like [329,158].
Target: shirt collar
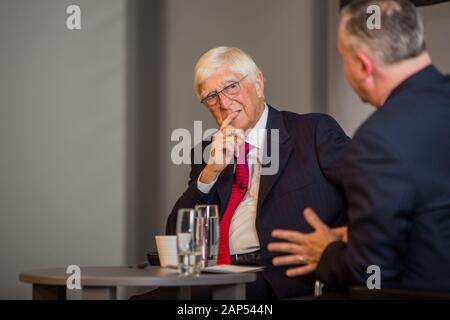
[256,136]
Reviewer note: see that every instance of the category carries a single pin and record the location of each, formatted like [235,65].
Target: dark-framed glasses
[229,91]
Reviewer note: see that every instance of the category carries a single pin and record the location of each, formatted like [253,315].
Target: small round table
[99,283]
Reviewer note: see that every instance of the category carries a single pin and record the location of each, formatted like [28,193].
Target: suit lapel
[274,121]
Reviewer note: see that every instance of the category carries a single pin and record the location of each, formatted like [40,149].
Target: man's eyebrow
[227,82]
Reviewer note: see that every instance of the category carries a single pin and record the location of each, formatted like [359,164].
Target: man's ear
[365,65]
[260,85]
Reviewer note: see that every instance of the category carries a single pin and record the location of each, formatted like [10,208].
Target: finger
[219,135]
[341,233]
[313,220]
[222,152]
[285,247]
[239,133]
[223,143]
[217,139]
[288,260]
[227,132]
[240,141]
[228,120]
[300,271]
[230,145]
[290,235]
[231,132]
[230,135]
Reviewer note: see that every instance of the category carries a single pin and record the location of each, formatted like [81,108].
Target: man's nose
[225,102]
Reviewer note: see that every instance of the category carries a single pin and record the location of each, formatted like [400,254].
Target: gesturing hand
[303,249]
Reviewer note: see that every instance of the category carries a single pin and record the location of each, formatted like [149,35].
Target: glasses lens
[211,99]
[232,89]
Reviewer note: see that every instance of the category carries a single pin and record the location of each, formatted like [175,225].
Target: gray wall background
[62,137]
[86,116]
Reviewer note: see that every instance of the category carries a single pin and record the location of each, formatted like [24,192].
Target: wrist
[209,175]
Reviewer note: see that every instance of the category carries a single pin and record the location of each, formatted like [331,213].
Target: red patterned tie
[238,190]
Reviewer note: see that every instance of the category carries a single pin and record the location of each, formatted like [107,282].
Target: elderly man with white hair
[253,201]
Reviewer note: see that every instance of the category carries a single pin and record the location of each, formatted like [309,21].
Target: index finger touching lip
[229,119]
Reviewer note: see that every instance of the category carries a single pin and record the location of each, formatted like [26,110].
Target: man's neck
[392,76]
[258,117]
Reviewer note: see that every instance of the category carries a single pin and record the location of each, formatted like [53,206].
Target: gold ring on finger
[301,260]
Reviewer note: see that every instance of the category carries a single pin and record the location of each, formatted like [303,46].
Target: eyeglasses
[229,91]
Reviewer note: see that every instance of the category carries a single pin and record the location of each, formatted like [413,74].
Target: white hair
[233,59]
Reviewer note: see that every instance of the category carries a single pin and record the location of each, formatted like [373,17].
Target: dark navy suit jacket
[397,183]
[309,175]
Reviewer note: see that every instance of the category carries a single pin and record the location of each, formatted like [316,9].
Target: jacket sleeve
[379,192]
[331,142]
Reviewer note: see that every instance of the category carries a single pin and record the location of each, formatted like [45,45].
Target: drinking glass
[210,215]
[190,239]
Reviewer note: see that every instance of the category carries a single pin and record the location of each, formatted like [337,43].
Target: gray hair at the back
[233,59]
[401,35]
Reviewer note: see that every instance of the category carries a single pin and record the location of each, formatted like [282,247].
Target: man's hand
[225,146]
[341,233]
[304,249]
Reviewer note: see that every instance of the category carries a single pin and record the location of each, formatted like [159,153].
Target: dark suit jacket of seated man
[406,205]
[397,171]
[397,168]
[309,175]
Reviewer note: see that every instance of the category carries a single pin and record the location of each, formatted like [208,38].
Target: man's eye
[233,86]
[211,97]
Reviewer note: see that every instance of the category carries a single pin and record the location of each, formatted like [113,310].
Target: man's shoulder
[419,98]
[305,117]
[293,119]
[309,121]
[421,111]
[424,106]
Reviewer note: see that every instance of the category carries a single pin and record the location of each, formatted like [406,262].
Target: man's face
[248,101]
[352,68]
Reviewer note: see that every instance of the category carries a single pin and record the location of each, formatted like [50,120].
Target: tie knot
[244,149]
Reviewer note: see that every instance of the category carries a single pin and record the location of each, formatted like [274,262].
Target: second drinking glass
[210,215]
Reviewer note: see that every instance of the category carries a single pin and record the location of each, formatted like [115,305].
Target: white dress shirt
[243,235]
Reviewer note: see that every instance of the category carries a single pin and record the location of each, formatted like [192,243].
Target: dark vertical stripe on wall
[145,55]
[319,55]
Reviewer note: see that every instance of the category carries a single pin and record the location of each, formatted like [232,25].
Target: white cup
[167,250]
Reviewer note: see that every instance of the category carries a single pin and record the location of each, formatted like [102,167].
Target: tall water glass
[210,213]
[190,240]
